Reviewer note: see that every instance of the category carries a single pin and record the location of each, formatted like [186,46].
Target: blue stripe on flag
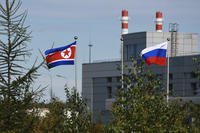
[156,52]
[57,63]
[49,51]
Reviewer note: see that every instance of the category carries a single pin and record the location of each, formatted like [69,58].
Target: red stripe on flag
[161,61]
[57,55]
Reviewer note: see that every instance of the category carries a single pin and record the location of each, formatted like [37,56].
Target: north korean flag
[61,56]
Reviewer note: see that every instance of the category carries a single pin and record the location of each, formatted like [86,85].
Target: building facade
[181,44]
[100,81]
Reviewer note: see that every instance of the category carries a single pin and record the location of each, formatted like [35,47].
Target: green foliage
[141,106]
[70,117]
[197,69]
[54,120]
[79,118]
[16,93]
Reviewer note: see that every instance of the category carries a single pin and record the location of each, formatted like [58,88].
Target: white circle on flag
[66,53]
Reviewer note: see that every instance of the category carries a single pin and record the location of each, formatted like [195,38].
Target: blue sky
[98,21]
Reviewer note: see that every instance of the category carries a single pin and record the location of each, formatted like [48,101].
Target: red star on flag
[66,52]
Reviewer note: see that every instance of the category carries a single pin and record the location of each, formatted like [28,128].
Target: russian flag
[61,56]
[156,54]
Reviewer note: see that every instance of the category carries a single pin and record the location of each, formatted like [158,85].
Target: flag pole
[167,71]
[76,38]
[122,62]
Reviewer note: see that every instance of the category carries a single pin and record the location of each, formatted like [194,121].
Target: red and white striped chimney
[159,21]
[124,22]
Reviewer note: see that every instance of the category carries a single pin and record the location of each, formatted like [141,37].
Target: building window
[109,92]
[170,89]
[193,75]
[109,79]
[194,88]
[170,76]
[186,74]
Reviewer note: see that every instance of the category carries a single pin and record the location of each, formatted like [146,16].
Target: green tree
[16,93]
[54,120]
[78,118]
[197,68]
[141,106]
[72,116]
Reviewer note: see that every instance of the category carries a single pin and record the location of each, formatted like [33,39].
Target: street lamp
[90,52]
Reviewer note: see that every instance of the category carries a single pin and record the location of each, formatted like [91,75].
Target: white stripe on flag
[158,46]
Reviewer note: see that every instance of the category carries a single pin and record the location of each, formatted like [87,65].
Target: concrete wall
[94,85]
[134,43]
